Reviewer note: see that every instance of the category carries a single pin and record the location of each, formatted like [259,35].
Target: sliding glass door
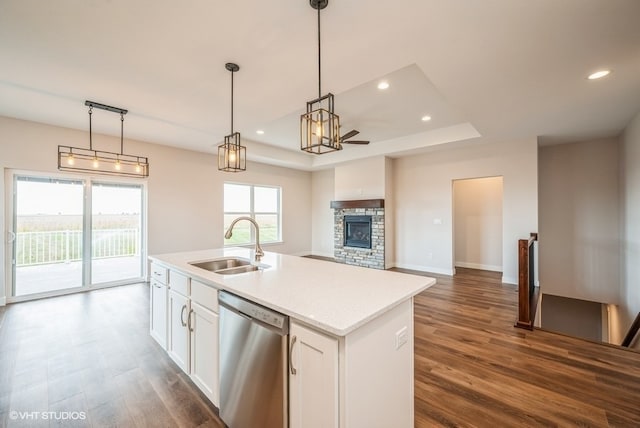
[116,232]
[48,228]
[74,233]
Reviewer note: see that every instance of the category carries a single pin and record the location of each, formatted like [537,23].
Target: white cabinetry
[313,379]
[178,346]
[193,332]
[158,302]
[353,381]
[203,322]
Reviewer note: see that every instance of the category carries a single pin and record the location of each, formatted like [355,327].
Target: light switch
[437,221]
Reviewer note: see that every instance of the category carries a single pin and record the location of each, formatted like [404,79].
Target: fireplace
[358,236]
[357,231]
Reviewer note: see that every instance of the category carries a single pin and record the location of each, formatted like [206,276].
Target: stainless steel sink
[226,266]
[238,269]
[219,264]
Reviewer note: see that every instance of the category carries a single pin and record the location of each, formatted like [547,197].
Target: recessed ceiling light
[383,85]
[426,118]
[259,132]
[598,74]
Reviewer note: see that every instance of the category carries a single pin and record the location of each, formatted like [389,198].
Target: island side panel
[379,374]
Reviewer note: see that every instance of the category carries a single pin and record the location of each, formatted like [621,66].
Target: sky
[66,198]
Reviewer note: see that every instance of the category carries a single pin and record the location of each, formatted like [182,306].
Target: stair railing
[527,290]
[633,331]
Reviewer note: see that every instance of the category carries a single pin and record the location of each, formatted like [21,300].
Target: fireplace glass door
[357,231]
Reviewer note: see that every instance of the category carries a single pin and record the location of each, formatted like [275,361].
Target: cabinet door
[158,319]
[313,379]
[204,351]
[178,340]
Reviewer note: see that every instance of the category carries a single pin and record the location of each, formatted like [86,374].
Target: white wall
[389,216]
[478,223]
[361,179]
[185,189]
[423,193]
[630,172]
[322,191]
[370,178]
[579,220]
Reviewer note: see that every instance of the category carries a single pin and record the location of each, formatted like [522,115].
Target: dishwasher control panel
[253,310]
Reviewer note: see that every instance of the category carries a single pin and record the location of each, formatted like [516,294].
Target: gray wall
[574,317]
[579,217]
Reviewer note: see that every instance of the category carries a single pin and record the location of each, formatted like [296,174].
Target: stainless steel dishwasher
[253,364]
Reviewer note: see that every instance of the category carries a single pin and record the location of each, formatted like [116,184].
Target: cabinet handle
[157,274]
[189,321]
[293,369]
[184,307]
[157,286]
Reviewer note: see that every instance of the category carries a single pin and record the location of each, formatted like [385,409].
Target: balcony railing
[59,246]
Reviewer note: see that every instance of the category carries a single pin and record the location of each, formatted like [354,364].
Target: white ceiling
[483,69]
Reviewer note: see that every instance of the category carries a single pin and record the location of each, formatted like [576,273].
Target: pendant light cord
[231,101]
[319,59]
[121,133]
[90,133]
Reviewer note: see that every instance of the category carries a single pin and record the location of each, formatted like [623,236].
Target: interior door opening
[477,223]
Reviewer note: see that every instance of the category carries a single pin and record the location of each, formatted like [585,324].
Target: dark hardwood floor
[91,353]
[473,368]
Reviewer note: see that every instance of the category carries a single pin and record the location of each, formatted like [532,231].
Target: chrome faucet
[229,233]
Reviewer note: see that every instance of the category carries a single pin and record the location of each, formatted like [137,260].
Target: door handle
[293,369]
[184,307]
[10,237]
[189,321]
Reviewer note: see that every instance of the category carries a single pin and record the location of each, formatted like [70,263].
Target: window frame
[253,213]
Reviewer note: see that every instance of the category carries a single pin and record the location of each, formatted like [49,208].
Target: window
[261,203]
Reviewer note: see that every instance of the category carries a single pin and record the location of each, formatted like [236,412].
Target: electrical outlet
[401,337]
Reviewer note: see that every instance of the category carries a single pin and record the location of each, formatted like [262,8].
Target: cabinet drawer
[179,283]
[159,273]
[157,284]
[204,295]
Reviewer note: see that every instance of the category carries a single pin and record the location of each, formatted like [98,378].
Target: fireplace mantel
[360,203]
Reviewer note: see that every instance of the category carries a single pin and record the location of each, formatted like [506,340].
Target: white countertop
[333,297]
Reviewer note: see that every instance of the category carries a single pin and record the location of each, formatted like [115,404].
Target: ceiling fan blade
[349,134]
[355,142]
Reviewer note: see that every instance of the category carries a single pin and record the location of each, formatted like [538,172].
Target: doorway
[477,223]
[72,233]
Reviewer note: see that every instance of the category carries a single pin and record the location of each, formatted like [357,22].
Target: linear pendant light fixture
[320,126]
[232,157]
[79,159]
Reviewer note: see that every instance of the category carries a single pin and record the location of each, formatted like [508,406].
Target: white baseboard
[509,280]
[480,266]
[428,269]
[3,301]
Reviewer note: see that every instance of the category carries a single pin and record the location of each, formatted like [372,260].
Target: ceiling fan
[345,138]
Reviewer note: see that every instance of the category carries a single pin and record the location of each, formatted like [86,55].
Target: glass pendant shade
[320,126]
[232,157]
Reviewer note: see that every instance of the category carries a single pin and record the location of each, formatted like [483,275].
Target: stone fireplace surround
[371,258]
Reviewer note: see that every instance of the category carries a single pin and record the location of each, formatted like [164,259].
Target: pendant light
[320,126]
[232,157]
[79,159]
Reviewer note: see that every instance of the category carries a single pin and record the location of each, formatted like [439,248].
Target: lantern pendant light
[320,126]
[78,159]
[232,157]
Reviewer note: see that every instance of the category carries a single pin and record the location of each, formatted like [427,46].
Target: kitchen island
[354,329]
